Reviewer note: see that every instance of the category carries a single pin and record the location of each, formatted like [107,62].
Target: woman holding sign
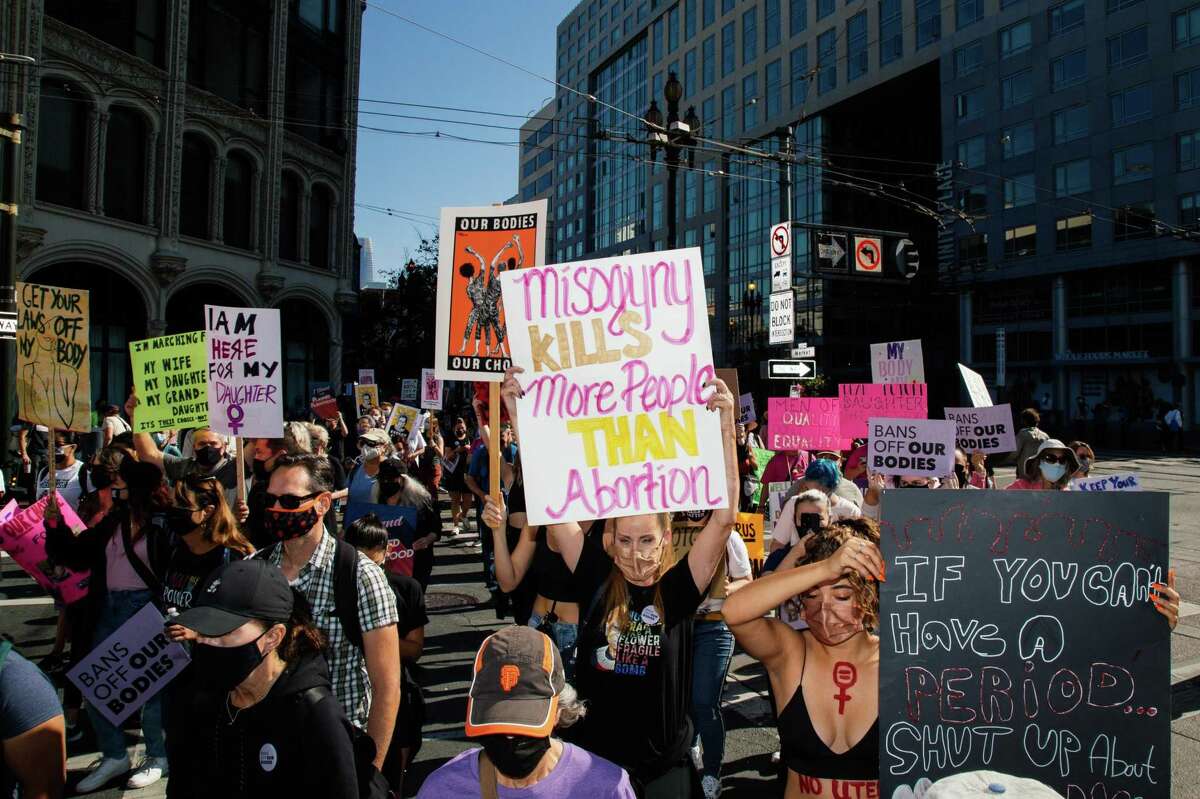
[825,679]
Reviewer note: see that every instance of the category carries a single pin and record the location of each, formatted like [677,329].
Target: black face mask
[179,520]
[60,458]
[223,668]
[961,473]
[99,477]
[261,472]
[809,523]
[514,756]
[209,457]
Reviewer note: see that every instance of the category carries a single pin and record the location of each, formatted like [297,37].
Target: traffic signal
[907,259]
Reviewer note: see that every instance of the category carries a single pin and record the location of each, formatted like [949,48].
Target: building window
[689,194]
[239,201]
[749,102]
[125,166]
[656,40]
[227,50]
[315,103]
[1069,69]
[1130,105]
[968,58]
[749,36]
[62,145]
[856,46]
[711,184]
[1019,191]
[689,19]
[1065,16]
[771,23]
[1073,233]
[708,57]
[727,6]
[968,105]
[972,152]
[672,29]
[656,207]
[825,8]
[320,227]
[799,65]
[289,216]
[1072,177]
[1121,5]
[797,16]
[1189,210]
[773,78]
[973,200]
[827,61]
[1134,221]
[1018,139]
[972,249]
[1188,150]
[1016,39]
[1131,164]
[967,12]
[1016,88]
[1187,27]
[689,73]
[728,49]
[1129,47]
[134,26]
[1187,89]
[1071,124]
[929,22]
[729,112]
[1020,242]
[891,31]
[709,12]
[195,185]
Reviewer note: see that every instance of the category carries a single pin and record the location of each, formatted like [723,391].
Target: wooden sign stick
[494,441]
[241,468]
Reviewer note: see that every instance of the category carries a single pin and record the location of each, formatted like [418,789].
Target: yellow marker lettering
[539,346]
[628,322]
[587,429]
[617,444]
[564,347]
[681,433]
[648,445]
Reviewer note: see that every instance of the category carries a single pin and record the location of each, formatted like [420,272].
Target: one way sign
[8,325]
[791,370]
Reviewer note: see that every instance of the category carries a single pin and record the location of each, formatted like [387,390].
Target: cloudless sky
[402,62]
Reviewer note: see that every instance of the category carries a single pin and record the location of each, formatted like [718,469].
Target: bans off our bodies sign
[616,354]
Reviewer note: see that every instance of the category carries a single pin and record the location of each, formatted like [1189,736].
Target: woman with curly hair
[825,679]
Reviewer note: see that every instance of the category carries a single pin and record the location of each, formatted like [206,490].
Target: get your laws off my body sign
[616,354]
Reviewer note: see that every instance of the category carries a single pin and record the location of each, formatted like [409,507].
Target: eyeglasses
[1054,458]
[289,501]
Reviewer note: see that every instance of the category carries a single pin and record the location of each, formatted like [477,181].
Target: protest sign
[730,376]
[616,354]
[1109,482]
[863,401]
[977,390]
[986,430]
[751,528]
[431,391]
[746,412]
[776,496]
[401,524]
[245,378]
[126,669]
[897,362]
[366,376]
[685,527]
[1016,636]
[324,404]
[805,423]
[23,537]
[170,374]
[53,374]
[403,419]
[410,387]
[761,458]
[366,397]
[911,446]
[475,247]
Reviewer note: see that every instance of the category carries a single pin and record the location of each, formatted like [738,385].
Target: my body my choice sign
[616,354]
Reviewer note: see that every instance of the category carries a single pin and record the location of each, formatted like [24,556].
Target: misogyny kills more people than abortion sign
[245,395]
[613,420]
[1016,636]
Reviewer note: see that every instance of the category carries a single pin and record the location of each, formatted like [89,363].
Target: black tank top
[551,577]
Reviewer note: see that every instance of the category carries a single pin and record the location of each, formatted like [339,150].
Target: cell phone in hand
[809,523]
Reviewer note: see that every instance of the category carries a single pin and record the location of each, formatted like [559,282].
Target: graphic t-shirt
[66,480]
[186,569]
[637,683]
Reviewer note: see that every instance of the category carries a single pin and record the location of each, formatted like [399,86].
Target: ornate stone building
[183,152]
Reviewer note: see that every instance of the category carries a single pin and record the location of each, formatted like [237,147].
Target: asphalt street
[461,616]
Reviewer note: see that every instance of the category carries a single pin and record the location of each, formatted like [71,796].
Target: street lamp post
[676,138]
[11,130]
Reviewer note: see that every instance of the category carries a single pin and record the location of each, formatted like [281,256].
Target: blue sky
[401,62]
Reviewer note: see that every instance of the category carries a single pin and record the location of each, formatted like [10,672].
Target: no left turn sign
[781,239]
[868,254]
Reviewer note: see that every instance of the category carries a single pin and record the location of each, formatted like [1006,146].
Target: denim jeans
[712,649]
[564,635]
[119,607]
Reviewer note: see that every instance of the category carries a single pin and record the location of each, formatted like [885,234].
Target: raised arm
[510,390]
[143,444]
[510,567]
[709,546]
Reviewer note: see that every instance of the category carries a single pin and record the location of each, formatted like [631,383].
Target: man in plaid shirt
[366,682]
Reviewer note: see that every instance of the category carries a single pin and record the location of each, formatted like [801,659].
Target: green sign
[170,374]
[761,457]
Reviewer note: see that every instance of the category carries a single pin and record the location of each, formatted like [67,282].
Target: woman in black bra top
[825,678]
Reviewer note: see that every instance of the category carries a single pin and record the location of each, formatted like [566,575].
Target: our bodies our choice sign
[245,378]
[616,355]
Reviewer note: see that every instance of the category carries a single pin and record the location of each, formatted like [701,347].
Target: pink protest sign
[23,536]
[862,401]
[804,423]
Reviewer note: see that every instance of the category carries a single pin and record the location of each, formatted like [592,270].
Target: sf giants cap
[235,594]
[518,678]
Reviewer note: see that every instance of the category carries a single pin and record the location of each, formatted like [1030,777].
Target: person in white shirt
[113,425]
[67,468]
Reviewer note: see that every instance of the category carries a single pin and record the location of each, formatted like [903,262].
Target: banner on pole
[985,430]
[170,374]
[911,446]
[977,390]
[245,378]
[805,423]
[863,401]
[897,362]
[53,369]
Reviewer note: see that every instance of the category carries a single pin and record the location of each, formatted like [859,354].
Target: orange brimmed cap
[518,679]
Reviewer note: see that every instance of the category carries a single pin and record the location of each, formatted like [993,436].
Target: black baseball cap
[235,594]
[517,683]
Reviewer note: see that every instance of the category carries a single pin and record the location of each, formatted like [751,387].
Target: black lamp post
[677,138]
[751,306]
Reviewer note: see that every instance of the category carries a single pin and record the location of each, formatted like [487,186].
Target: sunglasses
[1054,458]
[289,501]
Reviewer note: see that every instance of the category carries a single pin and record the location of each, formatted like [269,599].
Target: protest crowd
[257,601]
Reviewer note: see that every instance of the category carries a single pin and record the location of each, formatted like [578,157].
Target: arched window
[125,165]
[320,222]
[239,201]
[289,217]
[62,175]
[195,184]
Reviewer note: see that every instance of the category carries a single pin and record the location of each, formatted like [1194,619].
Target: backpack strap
[345,591]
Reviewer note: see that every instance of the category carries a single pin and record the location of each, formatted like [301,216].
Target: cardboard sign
[977,390]
[897,362]
[126,669]
[245,375]
[1110,482]
[746,412]
[23,537]
[54,385]
[171,377]
[366,376]
[475,247]
[431,391]
[777,494]
[1016,636]
[984,429]
[807,423]
[864,401]
[616,353]
[366,397]
[324,404]
[911,447]
[684,531]
[403,419]
[401,524]
[409,389]
[751,528]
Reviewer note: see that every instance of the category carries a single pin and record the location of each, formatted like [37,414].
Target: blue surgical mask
[1052,471]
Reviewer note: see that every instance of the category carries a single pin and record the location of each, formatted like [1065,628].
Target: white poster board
[922,447]
[1109,482]
[977,390]
[985,430]
[245,374]
[897,362]
[431,390]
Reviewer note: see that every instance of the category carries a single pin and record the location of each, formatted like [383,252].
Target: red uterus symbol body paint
[844,677]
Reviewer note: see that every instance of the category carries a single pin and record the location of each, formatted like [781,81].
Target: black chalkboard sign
[1016,636]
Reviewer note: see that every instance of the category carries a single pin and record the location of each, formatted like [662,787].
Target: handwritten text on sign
[807,423]
[616,354]
[897,362]
[53,366]
[861,401]
[171,377]
[911,446]
[986,429]
[23,537]
[1016,636]
[244,375]
[1108,482]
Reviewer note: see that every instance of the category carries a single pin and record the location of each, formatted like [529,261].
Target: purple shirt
[578,774]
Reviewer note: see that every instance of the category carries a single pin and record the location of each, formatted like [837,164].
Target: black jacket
[285,746]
